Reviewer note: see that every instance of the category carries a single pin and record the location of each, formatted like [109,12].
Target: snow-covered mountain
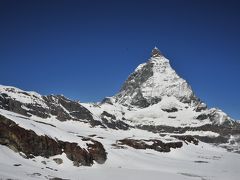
[151,81]
[155,126]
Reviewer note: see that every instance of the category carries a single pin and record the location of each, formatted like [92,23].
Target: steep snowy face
[151,81]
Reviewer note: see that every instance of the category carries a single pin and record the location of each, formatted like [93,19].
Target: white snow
[165,81]
[152,115]
[190,162]
[26,97]
[203,162]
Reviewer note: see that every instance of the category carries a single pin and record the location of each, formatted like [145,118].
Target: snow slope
[203,161]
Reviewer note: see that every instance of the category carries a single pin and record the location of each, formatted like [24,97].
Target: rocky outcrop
[131,87]
[111,121]
[43,106]
[224,131]
[186,139]
[154,144]
[173,109]
[70,109]
[31,144]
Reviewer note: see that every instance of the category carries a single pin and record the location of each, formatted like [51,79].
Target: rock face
[111,121]
[156,145]
[31,103]
[152,80]
[28,142]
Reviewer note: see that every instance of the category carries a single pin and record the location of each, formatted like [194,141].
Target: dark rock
[44,162]
[94,123]
[105,115]
[223,130]
[75,153]
[202,117]
[58,160]
[17,165]
[170,110]
[97,151]
[107,100]
[51,168]
[28,142]
[156,145]
[131,87]
[110,121]
[200,107]
[59,106]
[75,109]
[215,140]
[37,110]
[156,52]
[186,139]
[200,161]
[57,178]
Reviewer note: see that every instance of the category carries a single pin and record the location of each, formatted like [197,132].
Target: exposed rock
[66,109]
[201,161]
[215,140]
[76,110]
[44,162]
[107,115]
[110,121]
[58,160]
[107,100]
[17,165]
[173,109]
[186,139]
[97,151]
[172,117]
[132,85]
[11,105]
[156,145]
[28,142]
[202,117]
[94,123]
[75,153]
[59,106]
[57,178]
[200,107]
[225,131]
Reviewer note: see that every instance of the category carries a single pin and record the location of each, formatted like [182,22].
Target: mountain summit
[151,81]
[156,52]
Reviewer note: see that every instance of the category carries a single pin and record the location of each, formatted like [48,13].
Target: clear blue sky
[86,49]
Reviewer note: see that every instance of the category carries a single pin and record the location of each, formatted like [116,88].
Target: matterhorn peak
[151,81]
[156,52]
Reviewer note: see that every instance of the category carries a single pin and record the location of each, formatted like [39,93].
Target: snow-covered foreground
[191,162]
[203,161]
